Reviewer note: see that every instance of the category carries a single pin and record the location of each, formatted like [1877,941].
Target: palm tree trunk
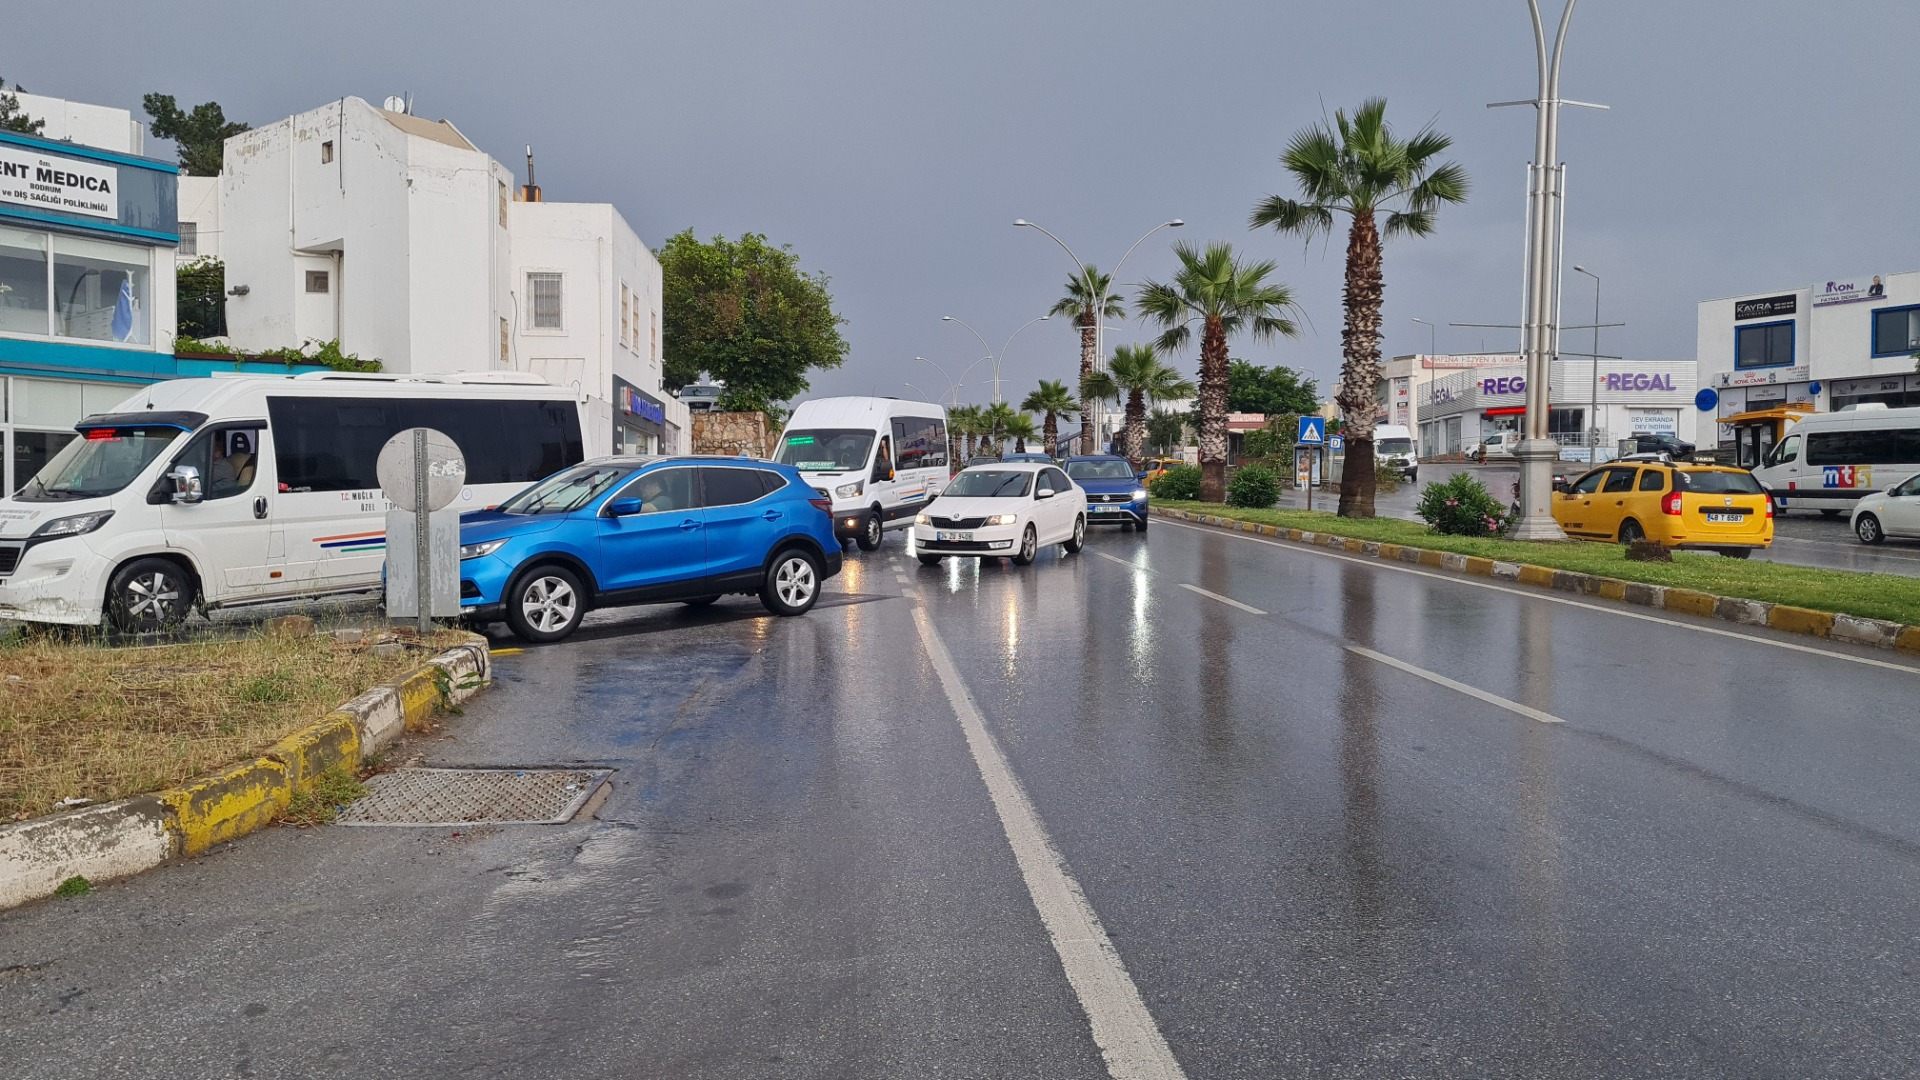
[1360,366]
[1051,433]
[1213,411]
[1136,427]
[1086,369]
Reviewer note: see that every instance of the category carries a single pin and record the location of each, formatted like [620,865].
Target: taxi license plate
[1725,519]
[943,537]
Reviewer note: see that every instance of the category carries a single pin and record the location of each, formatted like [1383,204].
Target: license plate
[958,537]
[1725,519]
[1108,510]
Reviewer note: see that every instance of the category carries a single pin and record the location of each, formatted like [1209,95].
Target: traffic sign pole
[422,536]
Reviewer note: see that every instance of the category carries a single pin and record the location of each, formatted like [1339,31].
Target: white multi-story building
[1404,383]
[400,239]
[1837,343]
[1622,397]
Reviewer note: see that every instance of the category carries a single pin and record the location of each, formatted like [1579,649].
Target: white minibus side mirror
[186,484]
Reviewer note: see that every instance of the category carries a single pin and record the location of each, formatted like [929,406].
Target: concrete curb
[118,839]
[1793,620]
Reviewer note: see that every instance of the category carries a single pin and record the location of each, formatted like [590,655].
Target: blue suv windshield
[565,492]
[1099,470]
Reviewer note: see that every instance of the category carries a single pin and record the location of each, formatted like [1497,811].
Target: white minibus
[245,489]
[1829,461]
[880,460]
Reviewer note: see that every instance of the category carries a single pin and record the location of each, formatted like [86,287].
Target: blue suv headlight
[1139,494]
[484,547]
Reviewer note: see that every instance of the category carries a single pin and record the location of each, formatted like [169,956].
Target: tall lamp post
[953,386]
[1099,303]
[1593,393]
[1546,215]
[995,358]
[1433,337]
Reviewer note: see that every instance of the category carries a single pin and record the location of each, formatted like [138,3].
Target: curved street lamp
[995,358]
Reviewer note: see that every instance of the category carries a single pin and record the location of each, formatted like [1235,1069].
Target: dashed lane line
[1227,600]
[1122,1027]
[1471,691]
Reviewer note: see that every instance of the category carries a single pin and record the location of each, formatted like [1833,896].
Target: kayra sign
[57,183]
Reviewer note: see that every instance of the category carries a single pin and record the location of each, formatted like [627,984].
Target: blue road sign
[1313,430]
[1337,443]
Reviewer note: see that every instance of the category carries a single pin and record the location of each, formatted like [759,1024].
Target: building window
[189,238]
[316,281]
[544,301]
[23,283]
[100,291]
[1762,346]
[326,152]
[626,315]
[1896,331]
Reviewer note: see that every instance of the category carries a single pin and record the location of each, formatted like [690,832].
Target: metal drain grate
[474,797]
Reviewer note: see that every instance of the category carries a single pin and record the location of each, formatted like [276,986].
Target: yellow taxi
[1155,468]
[1676,506]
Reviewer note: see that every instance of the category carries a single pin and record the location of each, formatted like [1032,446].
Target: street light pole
[1593,396]
[1099,302]
[1433,337]
[995,359]
[953,388]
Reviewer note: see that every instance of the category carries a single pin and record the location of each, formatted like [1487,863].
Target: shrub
[1254,486]
[1462,506]
[1179,482]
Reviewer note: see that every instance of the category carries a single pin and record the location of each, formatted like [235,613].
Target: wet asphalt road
[1801,537]
[1574,840]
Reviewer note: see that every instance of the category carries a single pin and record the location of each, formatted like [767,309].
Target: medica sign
[61,184]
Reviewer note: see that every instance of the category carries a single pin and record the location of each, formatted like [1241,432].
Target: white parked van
[1829,461]
[1393,449]
[880,460]
[246,489]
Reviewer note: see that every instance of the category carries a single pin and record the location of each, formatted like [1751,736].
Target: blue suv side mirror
[623,507]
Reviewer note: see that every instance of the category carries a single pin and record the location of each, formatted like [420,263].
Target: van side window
[1883,447]
[224,458]
[332,444]
[922,442]
[882,461]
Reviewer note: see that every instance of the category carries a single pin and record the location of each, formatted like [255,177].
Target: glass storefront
[93,290]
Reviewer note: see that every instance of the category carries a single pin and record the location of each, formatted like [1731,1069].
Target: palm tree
[1357,167]
[963,423]
[993,425]
[1053,400]
[1020,427]
[1085,292]
[1136,372]
[1226,297]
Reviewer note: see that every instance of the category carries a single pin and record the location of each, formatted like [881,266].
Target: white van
[880,460]
[1828,461]
[246,489]
[1393,449]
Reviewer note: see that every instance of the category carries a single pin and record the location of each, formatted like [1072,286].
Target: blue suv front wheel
[792,584]
[546,604]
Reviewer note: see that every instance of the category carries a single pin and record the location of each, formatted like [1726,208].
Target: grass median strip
[86,722]
[1846,592]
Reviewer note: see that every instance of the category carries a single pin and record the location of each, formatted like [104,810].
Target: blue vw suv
[1115,494]
[645,530]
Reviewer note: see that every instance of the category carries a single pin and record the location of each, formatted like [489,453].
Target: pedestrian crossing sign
[1313,430]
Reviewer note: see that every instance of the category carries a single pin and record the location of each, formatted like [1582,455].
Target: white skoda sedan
[1004,510]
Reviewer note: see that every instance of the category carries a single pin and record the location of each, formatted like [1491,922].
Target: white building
[1404,381]
[399,238]
[1839,342]
[1625,397]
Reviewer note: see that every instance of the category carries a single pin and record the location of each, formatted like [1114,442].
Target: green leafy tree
[1136,373]
[1020,427]
[1086,292]
[745,313]
[1227,297]
[11,118]
[1166,431]
[200,294]
[1053,401]
[963,424]
[1357,166]
[1269,391]
[201,134]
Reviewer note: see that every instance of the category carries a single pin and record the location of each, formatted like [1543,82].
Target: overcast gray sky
[1752,144]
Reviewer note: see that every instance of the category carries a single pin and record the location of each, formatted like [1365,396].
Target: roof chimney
[530,191]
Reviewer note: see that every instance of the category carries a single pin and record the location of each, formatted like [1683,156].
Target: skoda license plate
[1724,519]
[956,537]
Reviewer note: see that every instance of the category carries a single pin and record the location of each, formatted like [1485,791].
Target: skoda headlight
[1139,493]
[922,519]
[484,547]
[75,525]
[1003,519]
[848,491]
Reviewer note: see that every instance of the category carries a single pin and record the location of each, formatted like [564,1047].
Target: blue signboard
[1337,443]
[1313,430]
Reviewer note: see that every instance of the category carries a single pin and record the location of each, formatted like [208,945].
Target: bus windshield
[826,449]
[100,462]
[1393,446]
[565,492]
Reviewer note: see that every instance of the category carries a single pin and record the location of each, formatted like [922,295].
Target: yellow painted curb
[1430,557]
[1692,602]
[1909,640]
[1390,551]
[332,743]
[419,697]
[1351,544]
[228,804]
[1799,620]
[1536,575]
[1479,567]
[1613,589]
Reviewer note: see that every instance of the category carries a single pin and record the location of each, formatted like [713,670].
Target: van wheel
[870,534]
[1631,531]
[792,583]
[1868,529]
[546,604]
[148,596]
[929,560]
[1079,538]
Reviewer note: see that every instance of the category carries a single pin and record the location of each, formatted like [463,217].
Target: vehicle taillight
[1670,503]
[823,505]
[1769,506]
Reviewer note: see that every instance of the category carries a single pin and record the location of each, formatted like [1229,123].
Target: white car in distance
[1893,512]
[1002,511]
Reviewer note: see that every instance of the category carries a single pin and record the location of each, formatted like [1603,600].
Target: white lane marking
[1228,600]
[1471,691]
[1123,1029]
[1382,564]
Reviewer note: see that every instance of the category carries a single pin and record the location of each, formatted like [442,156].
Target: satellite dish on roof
[395,104]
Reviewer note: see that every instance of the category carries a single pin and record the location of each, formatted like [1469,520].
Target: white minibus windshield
[100,462]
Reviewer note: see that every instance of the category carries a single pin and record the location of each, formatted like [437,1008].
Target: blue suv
[1115,493]
[641,530]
